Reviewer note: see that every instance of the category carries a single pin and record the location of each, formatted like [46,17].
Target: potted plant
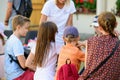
[78,5]
[92,6]
[85,7]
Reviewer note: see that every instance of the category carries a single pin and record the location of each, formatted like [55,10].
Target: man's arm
[8,13]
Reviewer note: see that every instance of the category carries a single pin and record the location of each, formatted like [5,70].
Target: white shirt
[58,16]
[47,72]
[15,48]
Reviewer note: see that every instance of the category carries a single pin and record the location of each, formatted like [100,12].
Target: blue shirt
[15,48]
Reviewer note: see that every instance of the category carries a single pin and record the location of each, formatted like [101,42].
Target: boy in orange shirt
[70,49]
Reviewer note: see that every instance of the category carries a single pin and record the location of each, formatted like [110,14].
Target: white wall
[83,21]
[3,6]
[111,5]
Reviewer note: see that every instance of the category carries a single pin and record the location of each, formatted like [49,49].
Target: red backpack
[67,72]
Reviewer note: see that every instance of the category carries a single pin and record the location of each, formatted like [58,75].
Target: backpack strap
[68,61]
[16,61]
[104,61]
[12,59]
[17,12]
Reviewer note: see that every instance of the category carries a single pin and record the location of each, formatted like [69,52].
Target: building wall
[3,6]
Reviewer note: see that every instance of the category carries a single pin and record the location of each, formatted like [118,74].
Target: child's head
[108,22]
[21,24]
[46,35]
[95,24]
[71,34]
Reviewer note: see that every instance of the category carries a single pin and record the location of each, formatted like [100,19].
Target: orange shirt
[71,52]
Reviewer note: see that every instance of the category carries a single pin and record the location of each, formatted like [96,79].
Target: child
[14,48]
[96,26]
[2,42]
[70,50]
[44,53]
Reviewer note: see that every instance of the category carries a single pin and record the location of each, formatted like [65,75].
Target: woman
[60,12]
[99,47]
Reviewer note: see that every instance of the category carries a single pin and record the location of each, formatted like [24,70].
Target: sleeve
[46,9]
[33,49]
[81,55]
[18,48]
[72,7]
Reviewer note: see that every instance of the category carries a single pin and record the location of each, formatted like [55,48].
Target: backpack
[67,72]
[25,8]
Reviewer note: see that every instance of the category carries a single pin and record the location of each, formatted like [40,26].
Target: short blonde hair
[19,20]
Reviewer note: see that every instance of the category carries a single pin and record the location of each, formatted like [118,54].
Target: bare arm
[70,20]
[43,18]
[8,13]
[22,61]
[86,55]
[29,62]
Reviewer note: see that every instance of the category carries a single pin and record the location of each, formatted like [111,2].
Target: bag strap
[104,61]
[14,7]
[17,12]
[16,61]
[68,61]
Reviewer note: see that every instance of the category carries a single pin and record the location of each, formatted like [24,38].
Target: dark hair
[19,20]
[107,21]
[46,34]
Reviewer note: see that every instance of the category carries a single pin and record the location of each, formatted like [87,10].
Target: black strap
[15,7]
[104,61]
[16,61]
[12,59]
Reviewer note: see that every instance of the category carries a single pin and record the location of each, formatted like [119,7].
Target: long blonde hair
[46,34]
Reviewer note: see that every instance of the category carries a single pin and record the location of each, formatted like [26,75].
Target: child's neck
[16,34]
[60,5]
[72,43]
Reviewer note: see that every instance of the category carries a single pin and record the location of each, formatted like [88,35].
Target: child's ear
[18,27]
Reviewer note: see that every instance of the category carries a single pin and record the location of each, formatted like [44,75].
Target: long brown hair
[107,21]
[46,34]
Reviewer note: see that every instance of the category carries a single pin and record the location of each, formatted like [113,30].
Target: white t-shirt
[47,72]
[58,16]
[15,48]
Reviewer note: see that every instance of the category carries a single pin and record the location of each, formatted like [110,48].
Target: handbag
[104,61]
